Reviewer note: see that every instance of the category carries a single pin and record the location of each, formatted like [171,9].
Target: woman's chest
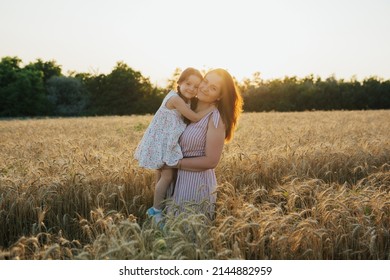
[193,139]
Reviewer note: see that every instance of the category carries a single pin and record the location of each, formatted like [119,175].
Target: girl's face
[189,86]
[209,90]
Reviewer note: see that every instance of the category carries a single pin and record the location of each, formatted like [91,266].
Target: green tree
[122,92]
[9,66]
[67,95]
[22,91]
[24,96]
[48,68]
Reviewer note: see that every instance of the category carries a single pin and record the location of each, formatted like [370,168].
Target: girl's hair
[184,75]
[230,103]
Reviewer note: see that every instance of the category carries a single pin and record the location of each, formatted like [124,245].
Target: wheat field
[309,185]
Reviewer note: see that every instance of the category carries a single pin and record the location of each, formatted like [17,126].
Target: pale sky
[276,37]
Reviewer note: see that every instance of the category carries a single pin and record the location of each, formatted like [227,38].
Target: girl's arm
[215,139]
[177,103]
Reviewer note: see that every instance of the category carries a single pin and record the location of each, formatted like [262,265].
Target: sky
[342,38]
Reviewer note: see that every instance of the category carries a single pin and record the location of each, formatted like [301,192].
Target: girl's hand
[177,166]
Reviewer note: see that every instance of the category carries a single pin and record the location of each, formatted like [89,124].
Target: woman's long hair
[230,103]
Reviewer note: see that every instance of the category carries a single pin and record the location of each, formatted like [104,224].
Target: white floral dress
[160,143]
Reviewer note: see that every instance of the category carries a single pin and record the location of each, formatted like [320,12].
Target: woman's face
[209,90]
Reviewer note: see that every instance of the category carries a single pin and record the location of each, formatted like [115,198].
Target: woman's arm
[215,139]
[177,103]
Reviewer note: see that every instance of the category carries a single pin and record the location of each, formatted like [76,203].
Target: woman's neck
[202,106]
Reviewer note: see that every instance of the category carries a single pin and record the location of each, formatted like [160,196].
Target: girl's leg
[158,175]
[162,187]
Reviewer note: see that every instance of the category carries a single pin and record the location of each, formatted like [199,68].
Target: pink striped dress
[196,189]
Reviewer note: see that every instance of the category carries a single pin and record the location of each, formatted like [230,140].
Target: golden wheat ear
[308,185]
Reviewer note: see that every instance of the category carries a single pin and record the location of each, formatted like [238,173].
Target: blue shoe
[157,216]
[152,212]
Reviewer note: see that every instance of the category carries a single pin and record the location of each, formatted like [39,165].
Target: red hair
[230,103]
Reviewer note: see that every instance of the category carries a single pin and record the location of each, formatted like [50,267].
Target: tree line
[310,93]
[41,89]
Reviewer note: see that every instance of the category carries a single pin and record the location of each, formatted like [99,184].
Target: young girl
[159,145]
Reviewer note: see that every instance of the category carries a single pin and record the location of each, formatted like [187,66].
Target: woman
[202,142]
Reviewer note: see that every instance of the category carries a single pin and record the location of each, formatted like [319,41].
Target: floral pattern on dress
[160,143]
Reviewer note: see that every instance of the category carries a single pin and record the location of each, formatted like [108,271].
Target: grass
[310,185]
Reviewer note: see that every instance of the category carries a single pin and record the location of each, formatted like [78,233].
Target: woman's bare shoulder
[215,135]
[215,120]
